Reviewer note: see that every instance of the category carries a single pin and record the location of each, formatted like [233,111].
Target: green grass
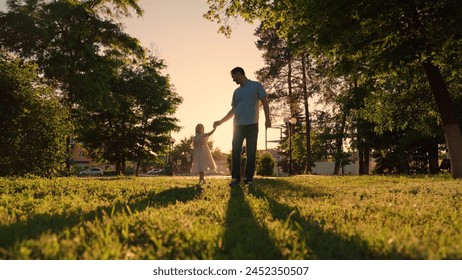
[306,217]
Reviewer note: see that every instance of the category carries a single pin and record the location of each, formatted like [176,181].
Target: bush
[33,123]
[265,164]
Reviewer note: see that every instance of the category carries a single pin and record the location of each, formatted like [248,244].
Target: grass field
[306,217]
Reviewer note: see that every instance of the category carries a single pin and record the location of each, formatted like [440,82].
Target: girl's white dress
[202,157]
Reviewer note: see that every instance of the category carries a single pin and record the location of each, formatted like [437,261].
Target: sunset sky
[198,62]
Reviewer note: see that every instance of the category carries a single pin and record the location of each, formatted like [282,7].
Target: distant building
[79,155]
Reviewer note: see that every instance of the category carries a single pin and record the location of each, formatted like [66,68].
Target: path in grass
[302,217]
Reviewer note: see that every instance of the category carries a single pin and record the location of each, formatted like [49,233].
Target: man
[245,109]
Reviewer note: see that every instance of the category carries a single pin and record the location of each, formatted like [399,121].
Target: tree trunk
[360,160]
[339,145]
[366,155]
[292,99]
[433,158]
[118,168]
[124,165]
[308,160]
[448,116]
[336,167]
[69,155]
[138,164]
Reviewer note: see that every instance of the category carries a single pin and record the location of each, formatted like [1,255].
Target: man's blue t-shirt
[246,103]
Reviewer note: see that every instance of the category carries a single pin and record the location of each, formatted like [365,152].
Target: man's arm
[225,118]
[264,102]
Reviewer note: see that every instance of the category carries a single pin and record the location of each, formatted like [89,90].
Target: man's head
[238,75]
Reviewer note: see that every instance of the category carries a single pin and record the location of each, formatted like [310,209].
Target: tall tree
[124,105]
[134,121]
[277,75]
[76,43]
[293,76]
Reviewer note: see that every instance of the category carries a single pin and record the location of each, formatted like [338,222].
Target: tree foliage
[372,39]
[134,121]
[119,102]
[32,121]
[70,42]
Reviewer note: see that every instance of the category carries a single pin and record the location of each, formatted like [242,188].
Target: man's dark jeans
[250,134]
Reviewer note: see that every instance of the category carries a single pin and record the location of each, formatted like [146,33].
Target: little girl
[202,158]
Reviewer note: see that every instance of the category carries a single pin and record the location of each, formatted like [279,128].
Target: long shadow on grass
[55,223]
[324,244]
[243,237]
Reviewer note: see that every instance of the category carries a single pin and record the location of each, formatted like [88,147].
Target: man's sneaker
[248,182]
[234,183]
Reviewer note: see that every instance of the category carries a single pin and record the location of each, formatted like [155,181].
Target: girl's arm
[211,132]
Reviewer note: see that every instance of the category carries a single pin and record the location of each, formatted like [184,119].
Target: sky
[199,60]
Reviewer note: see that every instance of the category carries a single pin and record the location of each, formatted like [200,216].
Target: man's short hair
[238,70]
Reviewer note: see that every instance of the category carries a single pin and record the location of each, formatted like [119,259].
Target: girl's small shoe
[199,187]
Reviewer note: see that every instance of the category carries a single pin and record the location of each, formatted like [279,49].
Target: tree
[32,121]
[121,105]
[292,76]
[134,122]
[76,43]
[277,75]
[328,134]
[380,35]
[402,104]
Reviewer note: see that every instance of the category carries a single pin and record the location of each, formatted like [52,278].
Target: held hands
[215,124]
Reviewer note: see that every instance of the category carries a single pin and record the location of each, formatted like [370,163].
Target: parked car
[92,171]
[157,172]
